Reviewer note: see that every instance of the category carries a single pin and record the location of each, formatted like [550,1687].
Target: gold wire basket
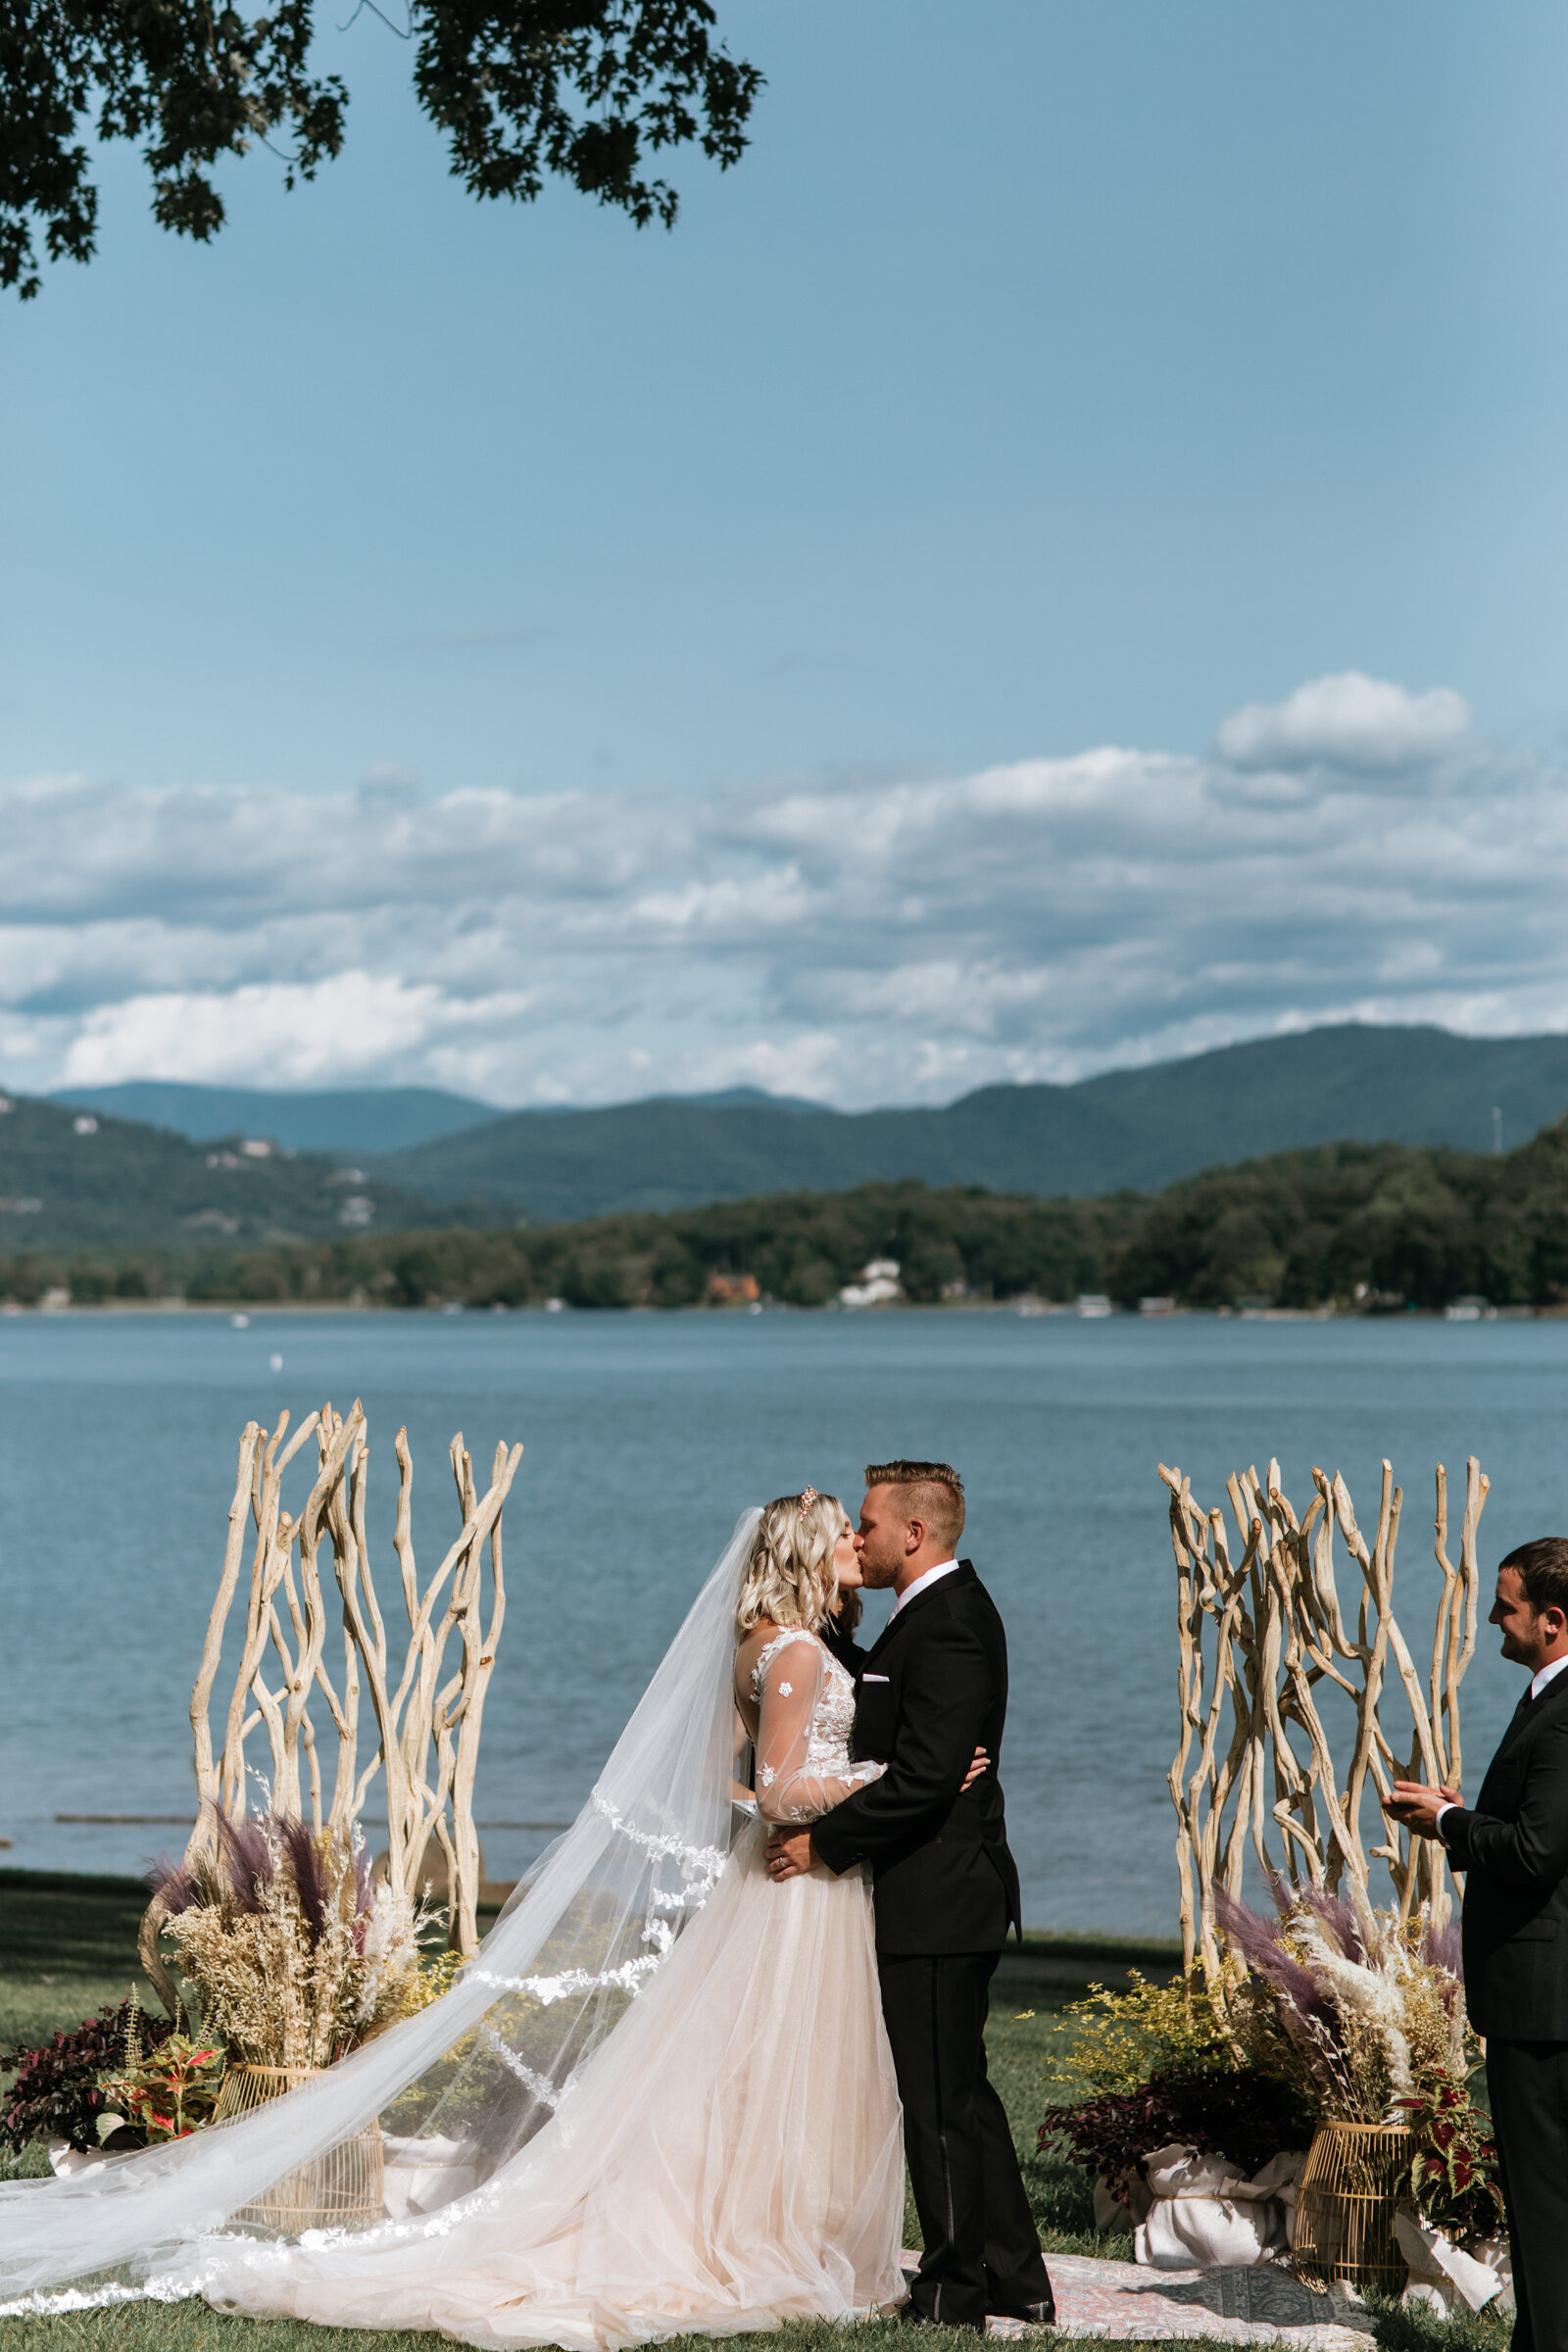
[1345,2207]
[340,2190]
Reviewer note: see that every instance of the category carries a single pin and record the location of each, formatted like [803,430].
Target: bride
[659,2101]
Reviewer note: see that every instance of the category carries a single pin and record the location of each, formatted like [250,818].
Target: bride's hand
[789,1854]
[981,1764]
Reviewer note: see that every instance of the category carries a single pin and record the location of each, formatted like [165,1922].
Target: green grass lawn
[68,1948]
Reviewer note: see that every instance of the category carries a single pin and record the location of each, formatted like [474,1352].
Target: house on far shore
[733,1289]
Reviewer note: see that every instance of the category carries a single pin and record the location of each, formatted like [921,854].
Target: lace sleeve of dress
[799,1775]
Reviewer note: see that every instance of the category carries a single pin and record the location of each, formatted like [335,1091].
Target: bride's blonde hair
[789,1575]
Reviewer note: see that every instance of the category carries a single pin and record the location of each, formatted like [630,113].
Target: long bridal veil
[460,2086]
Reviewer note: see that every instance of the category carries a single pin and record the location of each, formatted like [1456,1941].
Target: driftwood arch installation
[427,1715]
[1263,1638]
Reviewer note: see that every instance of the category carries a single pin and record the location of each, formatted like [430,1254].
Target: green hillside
[72,1181]
[1359,1227]
[347,1122]
[1143,1129]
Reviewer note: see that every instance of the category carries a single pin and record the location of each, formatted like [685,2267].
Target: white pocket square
[873,1678]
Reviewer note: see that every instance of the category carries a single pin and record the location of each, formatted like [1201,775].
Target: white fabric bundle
[1203,2215]
[1443,2275]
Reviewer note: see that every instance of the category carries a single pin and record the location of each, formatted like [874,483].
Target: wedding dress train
[660,2099]
[729,2157]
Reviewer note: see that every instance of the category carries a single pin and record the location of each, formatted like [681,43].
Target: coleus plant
[1453,2170]
[55,2094]
[163,2094]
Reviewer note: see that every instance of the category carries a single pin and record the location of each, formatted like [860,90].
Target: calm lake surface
[646,1434]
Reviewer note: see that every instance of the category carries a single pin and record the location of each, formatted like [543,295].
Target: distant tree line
[1368,1226]
[799,1247]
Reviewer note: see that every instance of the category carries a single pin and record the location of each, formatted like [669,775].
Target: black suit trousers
[1527,2084]
[982,2250]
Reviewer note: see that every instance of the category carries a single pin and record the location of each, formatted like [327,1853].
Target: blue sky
[1044,379]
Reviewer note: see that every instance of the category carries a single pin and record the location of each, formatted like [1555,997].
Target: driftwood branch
[427,1720]
[1260,1641]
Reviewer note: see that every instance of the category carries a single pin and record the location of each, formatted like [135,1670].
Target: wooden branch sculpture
[283,1664]
[1262,1639]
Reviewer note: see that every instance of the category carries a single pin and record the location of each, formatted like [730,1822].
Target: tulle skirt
[732,2157]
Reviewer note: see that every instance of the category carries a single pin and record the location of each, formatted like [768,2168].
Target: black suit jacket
[933,1689]
[1514,1847]
[843,1646]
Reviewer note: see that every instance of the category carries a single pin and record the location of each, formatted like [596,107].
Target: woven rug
[1259,2305]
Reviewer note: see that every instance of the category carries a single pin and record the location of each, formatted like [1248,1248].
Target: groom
[934,1689]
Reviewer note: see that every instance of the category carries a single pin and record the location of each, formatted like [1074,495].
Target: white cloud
[277,1033]
[1348,720]
[884,940]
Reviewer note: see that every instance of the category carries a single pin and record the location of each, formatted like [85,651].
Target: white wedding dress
[729,2157]
[660,2099]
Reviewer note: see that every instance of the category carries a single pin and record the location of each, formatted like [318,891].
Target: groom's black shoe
[1033,2315]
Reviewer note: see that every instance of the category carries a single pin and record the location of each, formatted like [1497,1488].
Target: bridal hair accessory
[809,1496]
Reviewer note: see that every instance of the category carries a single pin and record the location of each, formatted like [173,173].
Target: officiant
[1513,1846]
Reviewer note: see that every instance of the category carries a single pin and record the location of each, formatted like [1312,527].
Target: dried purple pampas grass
[248,1860]
[1263,1952]
[169,1882]
[1367,2002]
[1338,1918]
[309,1880]
[1445,1948]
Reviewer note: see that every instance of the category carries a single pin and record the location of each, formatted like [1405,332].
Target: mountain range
[1134,1130]
[347,1122]
[166,1165]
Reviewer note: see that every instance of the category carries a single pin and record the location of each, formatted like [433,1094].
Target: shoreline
[1022,1309]
[1065,1954]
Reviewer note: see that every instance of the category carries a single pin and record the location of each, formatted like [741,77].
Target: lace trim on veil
[597,1917]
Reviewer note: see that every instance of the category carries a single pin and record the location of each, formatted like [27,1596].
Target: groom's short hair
[936,1494]
[1542,1567]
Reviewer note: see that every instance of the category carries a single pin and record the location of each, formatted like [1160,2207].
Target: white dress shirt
[929,1576]
[1537,1684]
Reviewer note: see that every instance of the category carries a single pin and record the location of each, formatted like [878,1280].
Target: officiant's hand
[1415,1806]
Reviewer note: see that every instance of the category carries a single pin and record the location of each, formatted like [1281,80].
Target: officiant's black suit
[1514,1848]
[930,1692]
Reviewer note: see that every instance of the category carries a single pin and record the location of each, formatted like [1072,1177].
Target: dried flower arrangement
[1360,2011]
[296,1955]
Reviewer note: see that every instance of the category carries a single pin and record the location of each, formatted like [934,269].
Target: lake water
[646,1434]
